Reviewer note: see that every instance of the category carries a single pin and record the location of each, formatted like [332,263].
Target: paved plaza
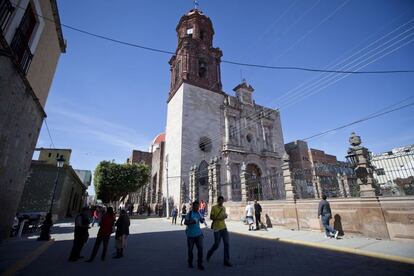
[155,247]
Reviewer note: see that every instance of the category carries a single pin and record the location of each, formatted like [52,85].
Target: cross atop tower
[195,4]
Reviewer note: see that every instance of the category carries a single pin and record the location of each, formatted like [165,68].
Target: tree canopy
[113,181]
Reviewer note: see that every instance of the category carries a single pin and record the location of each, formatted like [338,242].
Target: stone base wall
[383,218]
[21,118]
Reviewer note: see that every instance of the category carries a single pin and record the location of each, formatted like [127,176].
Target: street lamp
[47,223]
[59,164]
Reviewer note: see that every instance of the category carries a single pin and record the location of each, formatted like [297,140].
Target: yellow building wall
[46,57]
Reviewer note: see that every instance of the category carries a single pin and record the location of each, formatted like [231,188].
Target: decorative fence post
[193,192]
[287,178]
[359,157]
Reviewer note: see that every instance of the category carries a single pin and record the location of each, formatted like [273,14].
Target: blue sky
[107,99]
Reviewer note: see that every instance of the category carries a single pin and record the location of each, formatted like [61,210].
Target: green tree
[113,181]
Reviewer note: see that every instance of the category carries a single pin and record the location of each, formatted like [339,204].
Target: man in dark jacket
[121,234]
[258,214]
[324,212]
[81,234]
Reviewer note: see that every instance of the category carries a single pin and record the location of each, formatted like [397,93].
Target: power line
[158,50]
[255,117]
[359,121]
[48,132]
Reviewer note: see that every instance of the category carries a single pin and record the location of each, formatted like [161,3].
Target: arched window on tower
[202,68]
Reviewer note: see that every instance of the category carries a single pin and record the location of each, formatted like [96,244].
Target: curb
[19,265]
[354,251]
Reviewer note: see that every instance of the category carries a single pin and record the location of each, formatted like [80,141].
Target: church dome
[158,139]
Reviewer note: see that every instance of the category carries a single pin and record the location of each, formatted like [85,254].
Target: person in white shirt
[249,215]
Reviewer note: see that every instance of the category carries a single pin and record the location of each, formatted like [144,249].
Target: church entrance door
[253,182]
[202,181]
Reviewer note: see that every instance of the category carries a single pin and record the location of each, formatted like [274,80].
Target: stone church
[214,139]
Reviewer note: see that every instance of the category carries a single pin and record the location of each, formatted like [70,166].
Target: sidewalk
[400,251]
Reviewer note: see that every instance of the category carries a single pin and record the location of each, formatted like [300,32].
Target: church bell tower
[194,114]
[196,61]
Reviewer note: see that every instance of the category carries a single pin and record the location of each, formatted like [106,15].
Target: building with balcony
[31,42]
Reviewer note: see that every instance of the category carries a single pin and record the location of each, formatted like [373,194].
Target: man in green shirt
[218,215]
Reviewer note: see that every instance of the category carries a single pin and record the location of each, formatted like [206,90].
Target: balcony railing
[20,47]
[6,10]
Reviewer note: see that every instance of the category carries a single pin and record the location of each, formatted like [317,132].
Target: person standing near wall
[174,214]
[121,234]
[183,213]
[249,215]
[257,214]
[324,212]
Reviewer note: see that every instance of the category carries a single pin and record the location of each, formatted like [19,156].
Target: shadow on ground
[164,253]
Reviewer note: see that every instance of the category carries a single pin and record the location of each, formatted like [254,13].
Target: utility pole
[168,192]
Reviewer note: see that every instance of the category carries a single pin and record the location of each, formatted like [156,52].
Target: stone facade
[28,59]
[37,194]
[211,135]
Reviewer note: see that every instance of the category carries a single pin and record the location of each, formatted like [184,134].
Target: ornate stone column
[287,178]
[214,180]
[243,183]
[192,184]
[226,127]
[229,187]
[359,157]
[182,193]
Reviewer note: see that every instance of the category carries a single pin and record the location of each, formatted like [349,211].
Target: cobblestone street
[157,248]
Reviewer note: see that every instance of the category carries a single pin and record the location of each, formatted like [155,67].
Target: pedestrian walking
[218,215]
[81,234]
[45,228]
[194,235]
[249,215]
[324,212]
[174,214]
[95,217]
[121,234]
[183,213]
[258,214]
[104,233]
